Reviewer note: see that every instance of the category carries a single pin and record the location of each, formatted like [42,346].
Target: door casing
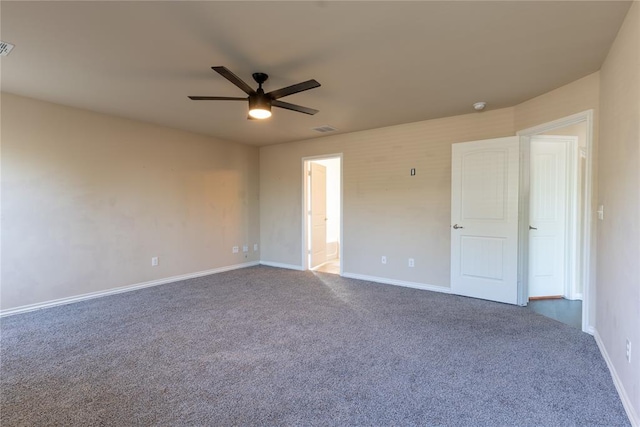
[583,263]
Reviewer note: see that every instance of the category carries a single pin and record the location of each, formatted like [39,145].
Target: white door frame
[588,292]
[305,208]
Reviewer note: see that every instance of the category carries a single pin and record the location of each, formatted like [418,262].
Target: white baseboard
[128,288]
[280,265]
[626,401]
[395,282]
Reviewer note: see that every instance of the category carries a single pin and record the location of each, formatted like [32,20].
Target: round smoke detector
[479,106]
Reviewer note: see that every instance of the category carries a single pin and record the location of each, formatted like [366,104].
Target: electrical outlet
[412,262]
[245,248]
[628,351]
[255,247]
[600,212]
[384,259]
[154,261]
[235,250]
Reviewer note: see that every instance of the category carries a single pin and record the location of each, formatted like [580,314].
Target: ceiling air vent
[325,129]
[5,48]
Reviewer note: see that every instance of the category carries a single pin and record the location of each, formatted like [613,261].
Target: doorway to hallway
[556,227]
[322,235]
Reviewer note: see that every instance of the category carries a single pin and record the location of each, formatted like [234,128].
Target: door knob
[532,228]
[456,226]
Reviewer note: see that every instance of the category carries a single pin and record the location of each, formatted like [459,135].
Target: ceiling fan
[260,103]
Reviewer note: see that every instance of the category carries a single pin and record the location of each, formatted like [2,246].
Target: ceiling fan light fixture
[259,107]
[260,113]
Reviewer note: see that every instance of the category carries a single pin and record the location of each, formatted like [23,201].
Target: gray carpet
[264,346]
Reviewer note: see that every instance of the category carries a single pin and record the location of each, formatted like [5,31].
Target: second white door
[318,214]
[547,217]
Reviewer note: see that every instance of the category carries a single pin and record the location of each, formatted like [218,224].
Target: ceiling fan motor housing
[259,101]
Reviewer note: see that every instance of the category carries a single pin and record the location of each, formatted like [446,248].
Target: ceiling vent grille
[5,48]
[325,129]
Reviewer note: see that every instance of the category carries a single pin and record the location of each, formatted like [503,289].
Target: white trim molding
[280,265]
[555,124]
[624,397]
[386,281]
[119,290]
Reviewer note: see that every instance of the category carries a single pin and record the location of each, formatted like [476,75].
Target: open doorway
[556,233]
[322,235]
[553,225]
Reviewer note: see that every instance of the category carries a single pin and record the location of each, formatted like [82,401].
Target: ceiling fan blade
[290,90]
[224,72]
[216,98]
[293,107]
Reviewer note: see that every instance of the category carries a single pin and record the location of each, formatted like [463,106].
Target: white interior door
[547,217]
[484,219]
[318,210]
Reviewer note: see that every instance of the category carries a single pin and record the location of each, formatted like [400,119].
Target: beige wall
[88,199]
[618,285]
[386,211]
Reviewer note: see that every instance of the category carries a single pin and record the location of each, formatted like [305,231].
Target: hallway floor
[563,310]
[332,267]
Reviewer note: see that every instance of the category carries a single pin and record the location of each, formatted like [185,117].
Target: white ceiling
[379,63]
